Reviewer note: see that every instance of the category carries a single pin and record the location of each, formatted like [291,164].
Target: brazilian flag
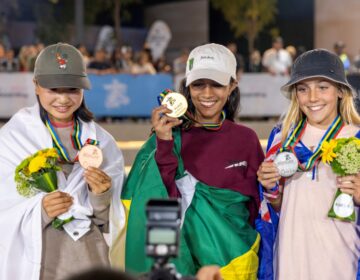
[215,228]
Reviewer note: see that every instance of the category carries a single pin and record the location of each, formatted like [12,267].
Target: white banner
[260,95]
[158,38]
[16,91]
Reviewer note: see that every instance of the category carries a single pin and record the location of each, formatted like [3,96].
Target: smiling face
[60,103]
[209,99]
[318,100]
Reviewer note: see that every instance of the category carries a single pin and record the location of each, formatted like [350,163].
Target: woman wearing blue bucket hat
[298,183]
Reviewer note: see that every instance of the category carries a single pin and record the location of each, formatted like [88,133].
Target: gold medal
[176,102]
[90,155]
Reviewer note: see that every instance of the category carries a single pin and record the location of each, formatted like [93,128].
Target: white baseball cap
[211,61]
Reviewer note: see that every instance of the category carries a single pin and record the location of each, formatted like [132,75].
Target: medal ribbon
[209,126]
[162,95]
[189,116]
[75,140]
[296,135]
[92,142]
[76,135]
[88,142]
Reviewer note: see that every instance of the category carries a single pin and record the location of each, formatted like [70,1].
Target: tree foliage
[53,20]
[247,17]
[116,8]
[8,8]
[55,17]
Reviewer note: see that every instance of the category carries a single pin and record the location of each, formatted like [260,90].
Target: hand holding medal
[98,181]
[91,158]
[176,102]
[165,117]
[268,174]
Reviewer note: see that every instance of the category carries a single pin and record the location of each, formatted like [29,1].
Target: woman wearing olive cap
[31,247]
[308,243]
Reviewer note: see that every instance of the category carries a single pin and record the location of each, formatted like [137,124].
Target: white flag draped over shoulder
[20,217]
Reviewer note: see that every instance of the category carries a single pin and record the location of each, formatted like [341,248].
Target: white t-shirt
[277,62]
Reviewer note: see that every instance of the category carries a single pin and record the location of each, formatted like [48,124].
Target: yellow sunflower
[36,164]
[51,153]
[357,142]
[327,149]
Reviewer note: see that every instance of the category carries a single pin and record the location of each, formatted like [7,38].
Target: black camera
[163,228]
[162,238]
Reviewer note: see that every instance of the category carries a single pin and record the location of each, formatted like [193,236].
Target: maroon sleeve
[167,164]
[255,160]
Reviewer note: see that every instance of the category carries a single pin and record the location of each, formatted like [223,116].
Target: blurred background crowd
[276,60]
[152,37]
[123,59]
[251,29]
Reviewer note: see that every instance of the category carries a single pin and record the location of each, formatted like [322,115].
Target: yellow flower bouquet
[343,155]
[37,173]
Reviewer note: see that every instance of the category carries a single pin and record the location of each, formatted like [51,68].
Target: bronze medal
[90,155]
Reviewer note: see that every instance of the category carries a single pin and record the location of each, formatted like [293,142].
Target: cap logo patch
[207,57]
[191,63]
[61,60]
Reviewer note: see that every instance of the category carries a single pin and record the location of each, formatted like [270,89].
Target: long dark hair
[82,112]
[231,107]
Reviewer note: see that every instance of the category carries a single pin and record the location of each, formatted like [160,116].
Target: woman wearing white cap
[210,162]
[50,235]
[312,242]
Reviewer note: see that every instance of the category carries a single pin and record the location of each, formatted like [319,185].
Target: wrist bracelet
[272,195]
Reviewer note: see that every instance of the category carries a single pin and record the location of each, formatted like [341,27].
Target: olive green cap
[61,66]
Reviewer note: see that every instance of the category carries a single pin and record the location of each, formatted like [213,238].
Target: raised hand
[162,123]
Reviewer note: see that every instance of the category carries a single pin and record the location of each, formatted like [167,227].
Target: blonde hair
[346,108]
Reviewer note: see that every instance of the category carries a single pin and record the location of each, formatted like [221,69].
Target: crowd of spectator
[276,60]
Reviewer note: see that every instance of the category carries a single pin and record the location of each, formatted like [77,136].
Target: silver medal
[286,163]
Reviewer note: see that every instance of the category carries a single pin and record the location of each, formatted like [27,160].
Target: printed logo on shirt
[237,164]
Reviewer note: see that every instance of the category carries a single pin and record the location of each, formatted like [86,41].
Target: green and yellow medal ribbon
[209,126]
[76,142]
[296,136]
[75,139]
